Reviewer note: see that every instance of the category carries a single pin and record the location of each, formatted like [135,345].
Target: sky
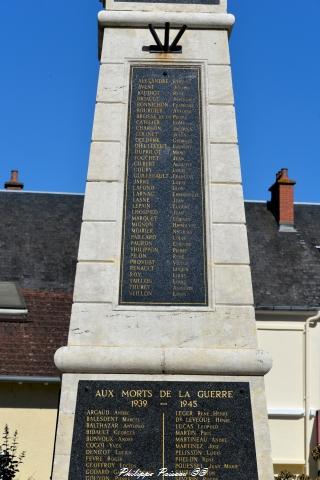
[48,80]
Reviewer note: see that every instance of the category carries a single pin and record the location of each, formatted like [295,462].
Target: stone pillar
[195,326]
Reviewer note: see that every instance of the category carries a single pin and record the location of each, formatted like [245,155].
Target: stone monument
[162,376]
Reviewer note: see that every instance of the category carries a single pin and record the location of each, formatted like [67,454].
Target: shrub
[285,475]
[9,458]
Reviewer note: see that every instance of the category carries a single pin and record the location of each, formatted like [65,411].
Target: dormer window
[11,300]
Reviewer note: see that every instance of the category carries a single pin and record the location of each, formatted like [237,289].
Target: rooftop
[39,236]
[285,266]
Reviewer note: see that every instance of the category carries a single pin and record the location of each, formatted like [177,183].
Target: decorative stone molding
[207,21]
[192,361]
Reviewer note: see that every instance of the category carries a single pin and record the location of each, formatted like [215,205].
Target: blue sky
[48,83]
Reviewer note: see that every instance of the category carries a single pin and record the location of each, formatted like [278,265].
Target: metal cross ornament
[165,47]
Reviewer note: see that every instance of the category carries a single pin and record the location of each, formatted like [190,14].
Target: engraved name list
[163,429]
[163,243]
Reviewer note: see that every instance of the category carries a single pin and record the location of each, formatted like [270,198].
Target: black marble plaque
[142,430]
[163,260]
[189,2]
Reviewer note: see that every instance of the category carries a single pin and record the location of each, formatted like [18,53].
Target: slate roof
[39,236]
[285,267]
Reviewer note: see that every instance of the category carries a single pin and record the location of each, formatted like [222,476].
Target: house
[39,235]
[285,260]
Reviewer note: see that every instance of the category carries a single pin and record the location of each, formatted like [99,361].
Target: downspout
[311,322]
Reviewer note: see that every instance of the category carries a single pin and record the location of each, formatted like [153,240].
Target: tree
[9,458]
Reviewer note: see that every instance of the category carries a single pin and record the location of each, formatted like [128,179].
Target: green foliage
[9,458]
[285,475]
[316,453]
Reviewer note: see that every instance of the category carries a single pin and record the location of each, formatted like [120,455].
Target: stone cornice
[189,361]
[207,21]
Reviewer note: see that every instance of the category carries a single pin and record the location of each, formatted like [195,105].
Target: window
[11,299]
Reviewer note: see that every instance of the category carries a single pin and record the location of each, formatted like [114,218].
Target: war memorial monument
[162,376]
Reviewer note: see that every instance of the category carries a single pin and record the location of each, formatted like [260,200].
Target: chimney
[13,183]
[282,202]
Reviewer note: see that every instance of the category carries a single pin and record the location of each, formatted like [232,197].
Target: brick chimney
[282,201]
[13,183]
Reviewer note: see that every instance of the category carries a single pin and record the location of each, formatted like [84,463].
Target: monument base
[162,424]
